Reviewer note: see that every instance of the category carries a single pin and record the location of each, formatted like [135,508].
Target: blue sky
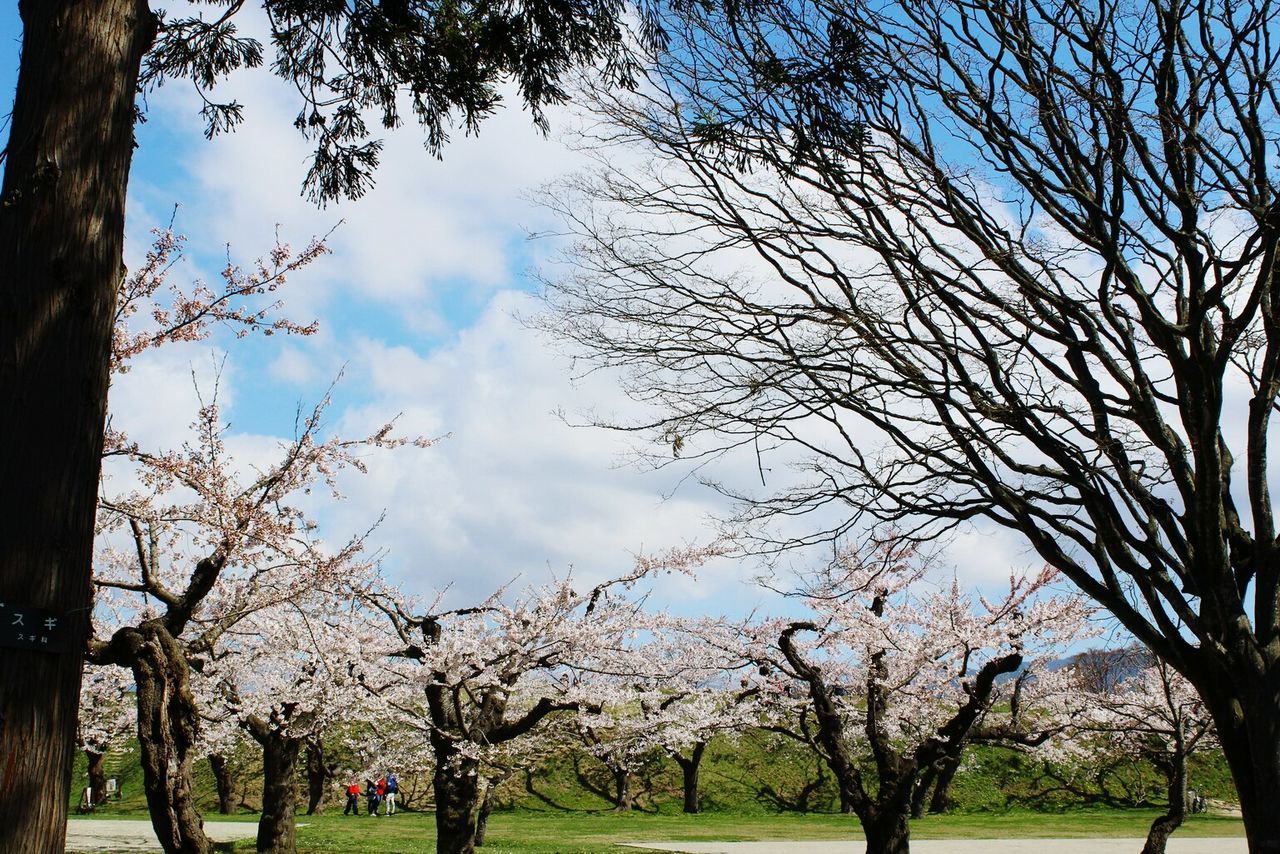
[416,308]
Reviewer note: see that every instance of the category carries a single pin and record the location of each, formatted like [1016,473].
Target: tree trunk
[921,791]
[1176,777]
[1249,730]
[225,785]
[457,793]
[482,816]
[61,237]
[97,776]
[941,800]
[622,789]
[167,728]
[887,832]
[689,767]
[318,774]
[277,827]
[848,796]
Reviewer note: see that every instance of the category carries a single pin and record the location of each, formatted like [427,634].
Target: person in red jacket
[353,800]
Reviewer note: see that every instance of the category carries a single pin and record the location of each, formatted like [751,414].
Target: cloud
[513,491]
[432,233]
[415,306]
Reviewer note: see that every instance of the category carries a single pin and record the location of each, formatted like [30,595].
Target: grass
[528,832]
[754,788]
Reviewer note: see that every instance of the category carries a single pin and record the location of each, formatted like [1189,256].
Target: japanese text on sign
[24,627]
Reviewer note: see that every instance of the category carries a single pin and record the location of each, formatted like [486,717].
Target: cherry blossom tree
[206,545]
[620,737]
[690,695]
[896,673]
[493,672]
[108,715]
[1139,709]
[196,540]
[687,720]
[285,675]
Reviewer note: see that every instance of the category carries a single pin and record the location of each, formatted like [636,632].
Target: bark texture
[61,239]
[223,781]
[277,828]
[168,726]
[689,767]
[457,795]
[97,776]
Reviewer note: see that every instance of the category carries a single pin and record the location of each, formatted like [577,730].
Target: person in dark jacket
[371,794]
[393,789]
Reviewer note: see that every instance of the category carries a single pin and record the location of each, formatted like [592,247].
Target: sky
[418,307]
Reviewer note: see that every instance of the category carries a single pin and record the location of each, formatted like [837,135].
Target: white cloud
[416,302]
[514,491]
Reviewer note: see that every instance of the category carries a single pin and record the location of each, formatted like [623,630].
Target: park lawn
[526,832]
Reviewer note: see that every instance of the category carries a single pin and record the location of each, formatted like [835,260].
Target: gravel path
[955,846]
[96,834]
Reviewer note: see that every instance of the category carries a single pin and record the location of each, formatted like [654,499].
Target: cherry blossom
[893,666]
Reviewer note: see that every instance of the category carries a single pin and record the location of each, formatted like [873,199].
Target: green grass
[524,832]
[754,788]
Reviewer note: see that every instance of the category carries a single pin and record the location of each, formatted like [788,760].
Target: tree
[107,718]
[204,548]
[688,700]
[887,682]
[1142,710]
[66,166]
[320,770]
[493,672]
[286,674]
[168,605]
[1023,274]
[619,737]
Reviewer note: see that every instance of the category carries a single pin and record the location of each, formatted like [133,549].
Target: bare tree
[1025,275]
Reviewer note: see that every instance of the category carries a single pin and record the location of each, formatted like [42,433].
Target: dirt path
[96,834]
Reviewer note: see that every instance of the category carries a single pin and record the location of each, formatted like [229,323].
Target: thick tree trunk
[167,728]
[941,800]
[457,794]
[622,797]
[277,826]
[1249,730]
[485,810]
[318,774]
[689,767]
[97,776]
[61,236]
[225,785]
[887,832]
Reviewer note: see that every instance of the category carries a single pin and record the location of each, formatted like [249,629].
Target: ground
[1080,832]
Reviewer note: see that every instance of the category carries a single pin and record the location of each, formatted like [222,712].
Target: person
[371,793]
[393,788]
[353,799]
